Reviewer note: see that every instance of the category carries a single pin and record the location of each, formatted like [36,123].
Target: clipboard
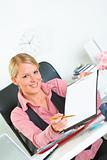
[81,100]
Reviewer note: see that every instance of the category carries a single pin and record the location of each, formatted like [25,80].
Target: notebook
[81,100]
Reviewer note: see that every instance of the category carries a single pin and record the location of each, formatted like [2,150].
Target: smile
[34,85]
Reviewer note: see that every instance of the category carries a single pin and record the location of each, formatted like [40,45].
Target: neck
[36,98]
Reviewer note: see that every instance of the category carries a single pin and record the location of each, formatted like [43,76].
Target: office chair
[8,101]
[47,71]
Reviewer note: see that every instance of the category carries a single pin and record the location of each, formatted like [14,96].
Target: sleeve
[59,86]
[98,100]
[38,137]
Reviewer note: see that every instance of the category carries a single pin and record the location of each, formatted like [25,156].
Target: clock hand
[31,39]
[24,43]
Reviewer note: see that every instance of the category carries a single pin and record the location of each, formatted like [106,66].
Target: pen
[64,116]
[50,153]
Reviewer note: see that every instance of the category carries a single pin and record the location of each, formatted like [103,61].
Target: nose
[32,78]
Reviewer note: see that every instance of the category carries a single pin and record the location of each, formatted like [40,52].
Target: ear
[14,81]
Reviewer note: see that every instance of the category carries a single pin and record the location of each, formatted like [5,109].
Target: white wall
[62,26]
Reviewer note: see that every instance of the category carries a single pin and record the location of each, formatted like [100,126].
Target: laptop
[81,100]
[9,150]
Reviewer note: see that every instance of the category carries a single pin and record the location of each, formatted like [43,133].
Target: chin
[35,90]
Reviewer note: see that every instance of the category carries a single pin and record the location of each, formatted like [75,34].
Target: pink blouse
[21,120]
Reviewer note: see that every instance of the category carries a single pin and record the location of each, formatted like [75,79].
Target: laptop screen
[81,100]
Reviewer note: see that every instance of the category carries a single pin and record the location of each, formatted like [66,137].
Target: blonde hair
[17,59]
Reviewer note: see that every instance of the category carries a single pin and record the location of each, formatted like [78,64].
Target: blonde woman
[35,94]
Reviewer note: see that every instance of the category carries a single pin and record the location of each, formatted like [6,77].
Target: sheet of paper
[81,99]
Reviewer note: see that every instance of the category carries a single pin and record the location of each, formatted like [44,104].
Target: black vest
[57,100]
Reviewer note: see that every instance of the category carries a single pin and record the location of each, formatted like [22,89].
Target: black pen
[50,153]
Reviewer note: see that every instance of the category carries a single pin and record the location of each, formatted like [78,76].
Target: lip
[34,85]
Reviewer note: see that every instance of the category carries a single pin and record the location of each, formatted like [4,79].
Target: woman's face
[28,78]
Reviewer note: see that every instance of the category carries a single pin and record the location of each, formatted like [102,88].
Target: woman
[33,93]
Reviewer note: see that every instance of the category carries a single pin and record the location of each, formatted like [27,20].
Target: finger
[56,120]
[57,116]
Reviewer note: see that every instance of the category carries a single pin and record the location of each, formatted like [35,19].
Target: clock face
[36,41]
[29,41]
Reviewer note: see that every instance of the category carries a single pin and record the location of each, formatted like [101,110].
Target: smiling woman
[36,96]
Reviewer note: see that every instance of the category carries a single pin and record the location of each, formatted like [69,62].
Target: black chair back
[47,71]
[8,101]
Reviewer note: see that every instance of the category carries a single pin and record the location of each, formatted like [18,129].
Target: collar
[23,101]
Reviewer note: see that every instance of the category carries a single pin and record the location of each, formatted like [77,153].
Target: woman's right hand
[58,123]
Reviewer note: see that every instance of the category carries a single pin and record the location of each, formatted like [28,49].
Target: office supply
[95,122]
[64,116]
[68,116]
[86,68]
[92,67]
[10,150]
[95,126]
[83,68]
[80,68]
[81,100]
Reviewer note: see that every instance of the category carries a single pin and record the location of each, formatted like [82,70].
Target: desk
[70,149]
[77,144]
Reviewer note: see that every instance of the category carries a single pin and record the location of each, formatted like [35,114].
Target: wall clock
[29,41]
